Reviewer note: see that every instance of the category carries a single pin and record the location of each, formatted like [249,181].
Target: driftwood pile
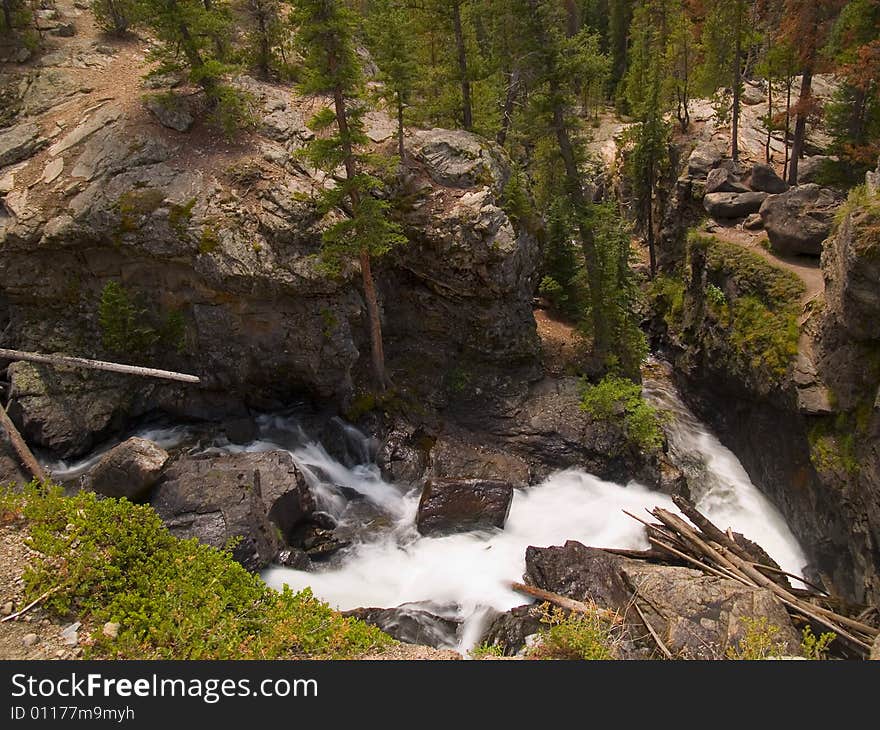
[704,546]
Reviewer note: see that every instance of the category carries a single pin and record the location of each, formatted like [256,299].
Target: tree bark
[400,146]
[112,367]
[376,347]
[24,453]
[507,112]
[800,126]
[467,112]
[787,134]
[737,82]
[7,17]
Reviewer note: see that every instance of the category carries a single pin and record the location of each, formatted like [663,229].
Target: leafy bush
[486,650]
[574,636]
[233,110]
[667,295]
[760,641]
[763,339]
[813,647]
[110,560]
[614,398]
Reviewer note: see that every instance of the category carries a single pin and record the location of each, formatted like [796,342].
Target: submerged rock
[460,505]
[129,470]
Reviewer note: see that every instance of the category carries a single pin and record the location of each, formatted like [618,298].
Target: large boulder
[722,180]
[459,159]
[696,615]
[129,470]
[733,205]
[460,505]
[171,110]
[509,631]
[20,142]
[258,499]
[799,220]
[811,169]
[705,157]
[763,178]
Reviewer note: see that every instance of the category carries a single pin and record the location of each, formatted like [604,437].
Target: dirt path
[563,347]
[807,269]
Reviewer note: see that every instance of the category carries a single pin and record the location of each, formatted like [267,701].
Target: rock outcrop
[696,615]
[461,505]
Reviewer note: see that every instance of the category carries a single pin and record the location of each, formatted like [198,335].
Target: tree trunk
[767,155]
[800,126]
[572,18]
[737,81]
[649,215]
[400,146]
[376,348]
[467,112]
[7,16]
[509,99]
[788,83]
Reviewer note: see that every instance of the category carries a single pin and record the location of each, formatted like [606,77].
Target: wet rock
[460,505]
[453,456]
[294,558]
[240,430]
[510,630]
[410,625]
[315,541]
[129,470]
[733,205]
[20,142]
[260,498]
[696,615]
[763,178]
[799,220]
[404,454]
[171,110]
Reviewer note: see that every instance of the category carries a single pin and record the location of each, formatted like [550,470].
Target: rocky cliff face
[214,246]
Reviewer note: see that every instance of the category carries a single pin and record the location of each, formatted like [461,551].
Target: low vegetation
[615,398]
[107,560]
[574,636]
[761,640]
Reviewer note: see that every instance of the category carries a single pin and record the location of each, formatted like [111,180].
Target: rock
[86,128]
[315,541]
[20,142]
[875,650]
[65,30]
[53,170]
[258,497]
[7,183]
[810,169]
[110,630]
[23,55]
[799,220]
[410,625]
[705,157]
[696,615]
[70,634]
[6,608]
[722,180]
[510,630]
[240,430]
[129,470]
[404,454]
[753,94]
[753,222]
[30,639]
[733,205]
[171,110]
[294,558]
[460,505]
[763,178]
[459,159]
[453,457]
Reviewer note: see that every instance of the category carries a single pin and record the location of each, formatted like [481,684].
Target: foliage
[667,296]
[266,38]
[614,399]
[486,650]
[580,636]
[129,329]
[116,16]
[760,640]
[833,445]
[813,647]
[110,560]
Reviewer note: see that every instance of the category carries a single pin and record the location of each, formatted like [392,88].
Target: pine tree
[392,41]
[325,36]
[265,35]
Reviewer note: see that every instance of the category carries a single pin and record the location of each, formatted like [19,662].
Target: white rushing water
[463,575]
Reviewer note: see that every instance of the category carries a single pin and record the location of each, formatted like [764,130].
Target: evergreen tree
[326,39]
[392,41]
[265,35]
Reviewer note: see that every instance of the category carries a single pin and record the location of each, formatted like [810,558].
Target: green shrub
[574,636]
[486,650]
[233,110]
[130,329]
[813,647]
[110,560]
[667,295]
[761,338]
[760,641]
[614,398]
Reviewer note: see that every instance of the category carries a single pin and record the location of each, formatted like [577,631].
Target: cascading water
[465,576]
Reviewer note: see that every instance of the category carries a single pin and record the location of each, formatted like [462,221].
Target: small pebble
[6,608]
[30,639]
[110,630]
[60,654]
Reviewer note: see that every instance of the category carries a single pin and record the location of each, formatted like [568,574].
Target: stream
[465,576]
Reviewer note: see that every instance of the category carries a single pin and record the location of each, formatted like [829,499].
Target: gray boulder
[257,498]
[696,615]
[459,159]
[460,505]
[733,205]
[810,168]
[171,110]
[20,142]
[763,178]
[722,180]
[129,470]
[799,220]
[705,157]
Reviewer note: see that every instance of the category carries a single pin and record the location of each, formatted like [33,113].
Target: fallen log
[113,367]
[654,635]
[21,448]
[569,604]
